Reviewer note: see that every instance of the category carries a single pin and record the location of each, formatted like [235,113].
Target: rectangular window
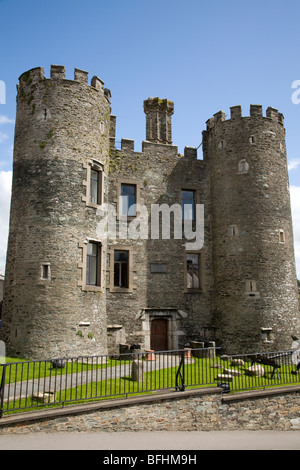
[188,204]
[95,187]
[121,268]
[93,264]
[128,199]
[45,272]
[251,289]
[281,236]
[193,271]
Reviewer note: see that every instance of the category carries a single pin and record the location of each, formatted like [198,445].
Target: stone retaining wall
[199,410]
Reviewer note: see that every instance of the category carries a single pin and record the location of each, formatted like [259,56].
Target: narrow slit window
[188,204]
[251,288]
[281,236]
[45,272]
[233,231]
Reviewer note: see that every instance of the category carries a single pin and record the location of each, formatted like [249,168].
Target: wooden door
[159,334]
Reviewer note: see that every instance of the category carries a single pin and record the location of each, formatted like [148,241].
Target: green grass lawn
[22,370]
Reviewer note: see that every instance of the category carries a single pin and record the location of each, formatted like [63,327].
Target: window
[251,286]
[267,335]
[188,204]
[91,266]
[121,271]
[93,252]
[233,231]
[128,200]
[45,272]
[193,271]
[95,195]
[251,289]
[243,166]
[281,236]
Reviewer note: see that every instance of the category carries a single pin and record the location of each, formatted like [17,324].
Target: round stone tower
[255,285]
[54,301]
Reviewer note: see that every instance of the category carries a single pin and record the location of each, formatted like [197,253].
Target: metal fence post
[180,374]
[2,389]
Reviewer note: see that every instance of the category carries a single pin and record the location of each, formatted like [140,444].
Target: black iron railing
[259,371]
[34,384]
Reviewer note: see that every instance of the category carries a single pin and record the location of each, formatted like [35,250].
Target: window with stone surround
[120,269]
[45,272]
[94,184]
[281,236]
[95,194]
[91,266]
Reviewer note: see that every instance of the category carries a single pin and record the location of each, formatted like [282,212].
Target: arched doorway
[159,334]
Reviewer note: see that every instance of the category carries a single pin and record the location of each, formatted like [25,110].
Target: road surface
[165,441]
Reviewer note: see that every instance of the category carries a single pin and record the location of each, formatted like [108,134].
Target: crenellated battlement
[236,114]
[58,73]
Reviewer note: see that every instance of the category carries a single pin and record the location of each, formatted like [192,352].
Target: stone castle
[71,291]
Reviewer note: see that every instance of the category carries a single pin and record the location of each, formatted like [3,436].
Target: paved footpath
[165,441]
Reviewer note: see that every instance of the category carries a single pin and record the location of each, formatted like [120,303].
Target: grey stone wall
[205,411]
[57,133]
[255,286]
[160,174]
[248,286]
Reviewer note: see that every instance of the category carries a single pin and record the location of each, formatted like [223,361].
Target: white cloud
[295,205]
[293,164]
[3,137]
[6,120]
[5,193]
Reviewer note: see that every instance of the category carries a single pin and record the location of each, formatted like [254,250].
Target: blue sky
[204,56]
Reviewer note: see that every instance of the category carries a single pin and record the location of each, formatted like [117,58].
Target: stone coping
[260,393]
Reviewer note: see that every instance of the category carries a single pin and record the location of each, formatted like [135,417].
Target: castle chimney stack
[159,120]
